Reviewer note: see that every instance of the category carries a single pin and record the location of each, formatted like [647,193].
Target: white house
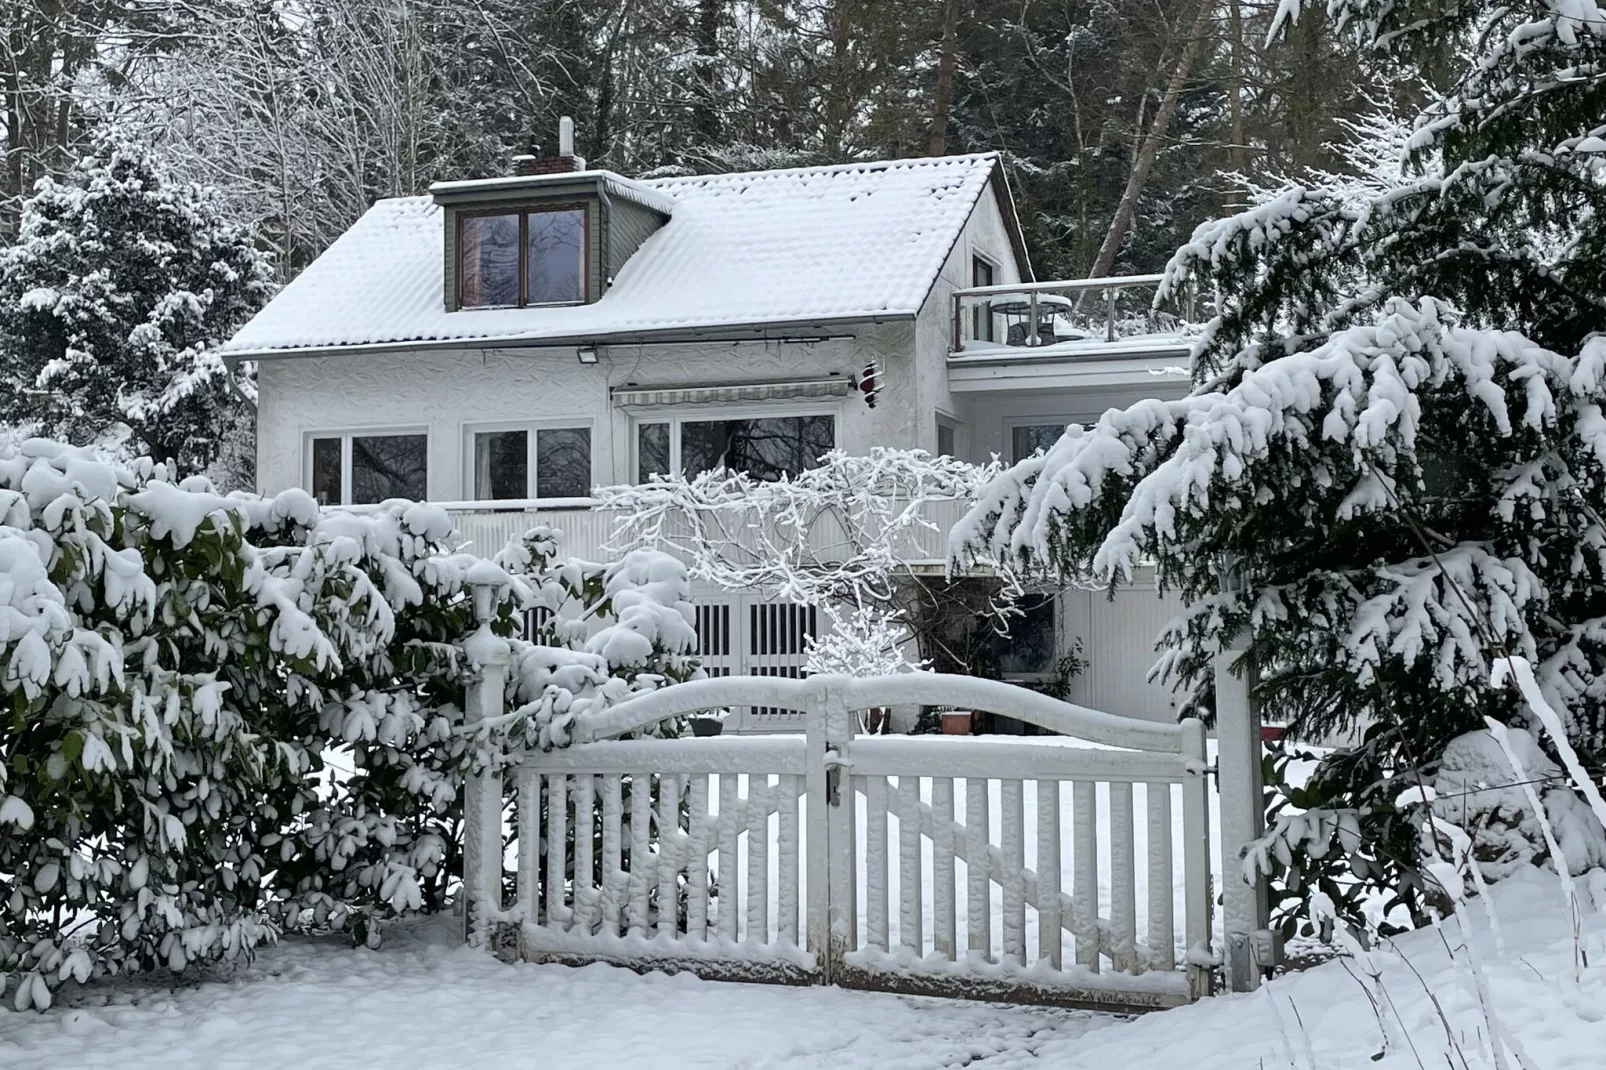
[506,344]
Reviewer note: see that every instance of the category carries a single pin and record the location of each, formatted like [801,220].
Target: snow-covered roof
[845,242]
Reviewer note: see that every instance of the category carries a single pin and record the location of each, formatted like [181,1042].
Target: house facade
[504,345]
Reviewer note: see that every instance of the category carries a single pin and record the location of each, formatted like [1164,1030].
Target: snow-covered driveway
[423,1004]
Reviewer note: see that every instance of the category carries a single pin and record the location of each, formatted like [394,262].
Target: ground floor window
[764,447]
[1027,439]
[361,469]
[1029,647]
[546,462]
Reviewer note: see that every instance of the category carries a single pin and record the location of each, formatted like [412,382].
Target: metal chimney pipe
[566,136]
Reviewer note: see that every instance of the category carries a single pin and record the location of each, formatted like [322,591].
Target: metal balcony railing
[1074,313]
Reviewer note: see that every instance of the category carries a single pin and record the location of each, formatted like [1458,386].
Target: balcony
[1080,333]
[590,531]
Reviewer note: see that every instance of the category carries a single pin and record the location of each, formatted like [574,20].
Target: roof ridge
[968,159]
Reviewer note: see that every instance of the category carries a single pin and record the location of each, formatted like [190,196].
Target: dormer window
[523,257]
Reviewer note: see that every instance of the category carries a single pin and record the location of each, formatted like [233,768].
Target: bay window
[545,462]
[517,258]
[764,447]
[362,469]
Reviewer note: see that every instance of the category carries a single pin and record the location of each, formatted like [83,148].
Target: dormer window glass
[533,256]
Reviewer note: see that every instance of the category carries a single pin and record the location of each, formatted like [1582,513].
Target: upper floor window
[364,469]
[548,462]
[1027,439]
[765,447]
[513,259]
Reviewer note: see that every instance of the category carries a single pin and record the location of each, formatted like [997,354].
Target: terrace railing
[1075,312]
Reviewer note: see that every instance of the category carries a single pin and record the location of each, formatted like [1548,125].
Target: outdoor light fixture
[587,354]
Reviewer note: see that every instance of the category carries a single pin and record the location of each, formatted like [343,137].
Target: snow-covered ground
[423,1003]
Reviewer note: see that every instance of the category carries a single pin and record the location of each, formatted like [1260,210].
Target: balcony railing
[1070,315]
[591,532]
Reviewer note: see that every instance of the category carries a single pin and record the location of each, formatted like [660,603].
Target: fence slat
[1161,937]
[670,849]
[611,886]
[529,832]
[1050,938]
[1012,837]
[1085,875]
[875,861]
[944,939]
[1123,871]
[911,898]
[787,868]
[729,879]
[698,828]
[557,862]
[758,858]
[641,870]
[584,790]
[978,879]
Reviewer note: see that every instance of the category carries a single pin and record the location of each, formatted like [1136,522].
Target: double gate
[1031,868]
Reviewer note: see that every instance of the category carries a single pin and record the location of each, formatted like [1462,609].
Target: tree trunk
[946,60]
[1235,104]
[1149,148]
[705,110]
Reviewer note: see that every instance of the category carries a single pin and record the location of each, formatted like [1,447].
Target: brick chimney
[565,161]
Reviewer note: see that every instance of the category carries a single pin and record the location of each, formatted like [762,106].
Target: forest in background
[302,113]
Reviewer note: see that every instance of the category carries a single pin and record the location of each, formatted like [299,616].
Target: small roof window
[514,258]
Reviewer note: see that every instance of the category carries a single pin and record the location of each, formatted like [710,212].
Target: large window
[1027,439]
[549,462]
[364,469]
[514,259]
[765,447]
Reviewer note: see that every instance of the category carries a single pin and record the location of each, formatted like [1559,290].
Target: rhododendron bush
[229,715]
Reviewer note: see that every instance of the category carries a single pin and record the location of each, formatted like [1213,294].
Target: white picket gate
[998,869]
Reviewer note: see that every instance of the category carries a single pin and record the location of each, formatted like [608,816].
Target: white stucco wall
[451,393]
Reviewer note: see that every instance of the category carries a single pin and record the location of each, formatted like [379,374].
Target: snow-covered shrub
[226,715]
[117,289]
[1391,469]
[1478,790]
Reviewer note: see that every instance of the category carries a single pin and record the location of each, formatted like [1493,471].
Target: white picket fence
[949,866]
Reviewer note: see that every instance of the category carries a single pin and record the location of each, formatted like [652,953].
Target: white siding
[449,393]
[1118,644]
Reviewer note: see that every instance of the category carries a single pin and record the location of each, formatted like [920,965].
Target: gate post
[488,656]
[1249,947]
[841,848]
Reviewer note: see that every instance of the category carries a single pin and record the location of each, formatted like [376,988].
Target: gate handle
[834,764]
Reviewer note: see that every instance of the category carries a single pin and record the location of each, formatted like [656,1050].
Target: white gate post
[840,835]
[488,655]
[1248,942]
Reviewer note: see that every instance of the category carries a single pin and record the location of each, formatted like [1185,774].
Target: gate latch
[833,776]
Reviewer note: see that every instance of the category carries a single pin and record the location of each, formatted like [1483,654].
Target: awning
[835,387]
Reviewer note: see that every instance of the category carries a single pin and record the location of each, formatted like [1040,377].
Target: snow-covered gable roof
[818,244]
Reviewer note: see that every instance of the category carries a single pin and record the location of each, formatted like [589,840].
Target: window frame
[345,437]
[706,414]
[1030,421]
[944,422]
[531,428]
[1057,631]
[523,211]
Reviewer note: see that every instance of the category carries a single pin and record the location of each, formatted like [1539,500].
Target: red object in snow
[868,384]
[1271,733]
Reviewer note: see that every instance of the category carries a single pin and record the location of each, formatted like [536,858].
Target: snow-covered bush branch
[847,536]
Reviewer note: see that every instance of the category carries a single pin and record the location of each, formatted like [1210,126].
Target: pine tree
[118,288]
[1391,469]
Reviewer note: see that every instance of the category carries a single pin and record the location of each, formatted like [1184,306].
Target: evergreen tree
[1391,469]
[118,288]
